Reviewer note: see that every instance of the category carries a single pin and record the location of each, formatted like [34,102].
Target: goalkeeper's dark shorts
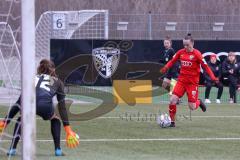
[45,110]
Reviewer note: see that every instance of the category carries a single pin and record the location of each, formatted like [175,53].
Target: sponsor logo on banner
[106,60]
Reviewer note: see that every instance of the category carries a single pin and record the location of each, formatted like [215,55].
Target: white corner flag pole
[28,104]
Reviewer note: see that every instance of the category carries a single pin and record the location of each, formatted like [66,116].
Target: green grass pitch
[123,135]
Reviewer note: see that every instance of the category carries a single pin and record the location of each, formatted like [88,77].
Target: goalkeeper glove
[72,139]
[3,125]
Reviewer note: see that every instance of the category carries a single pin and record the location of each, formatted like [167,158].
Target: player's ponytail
[189,37]
[46,67]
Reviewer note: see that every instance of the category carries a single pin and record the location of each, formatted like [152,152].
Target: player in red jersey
[191,59]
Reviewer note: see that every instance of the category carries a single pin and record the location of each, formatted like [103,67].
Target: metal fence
[157,26]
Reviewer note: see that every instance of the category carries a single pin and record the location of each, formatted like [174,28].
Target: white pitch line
[216,116]
[108,117]
[143,140]
[158,139]
[124,117]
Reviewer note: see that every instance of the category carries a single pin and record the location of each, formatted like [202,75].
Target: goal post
[28,102]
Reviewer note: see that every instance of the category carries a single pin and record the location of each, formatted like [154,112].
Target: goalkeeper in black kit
[48,85]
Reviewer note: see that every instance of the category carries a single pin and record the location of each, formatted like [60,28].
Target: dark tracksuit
[217,71]
[232,77]
[167,56]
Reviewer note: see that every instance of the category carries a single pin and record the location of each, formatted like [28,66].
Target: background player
[170,79]
[188,79]
[217,70]
[172,74]
[47,86]
[168,52]
[230,70]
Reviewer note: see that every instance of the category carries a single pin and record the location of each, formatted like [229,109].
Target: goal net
[84,24]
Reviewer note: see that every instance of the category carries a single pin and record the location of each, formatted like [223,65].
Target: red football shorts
[191,90]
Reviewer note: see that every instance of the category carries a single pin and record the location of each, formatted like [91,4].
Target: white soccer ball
[164,120]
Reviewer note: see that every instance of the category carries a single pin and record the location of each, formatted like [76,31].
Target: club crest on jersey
[194,93]
[106,60]
[191,57]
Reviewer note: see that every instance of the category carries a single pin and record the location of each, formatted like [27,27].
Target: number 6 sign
[59,21]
